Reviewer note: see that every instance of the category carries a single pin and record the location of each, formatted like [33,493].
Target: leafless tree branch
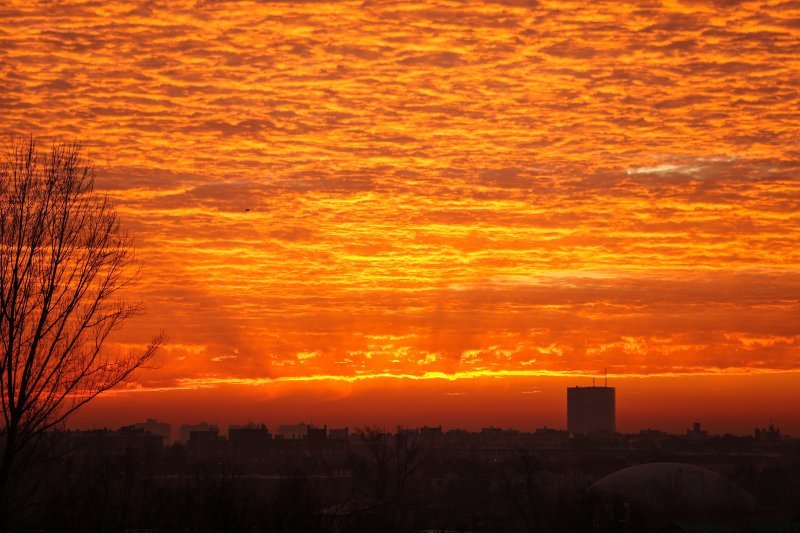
[64,260]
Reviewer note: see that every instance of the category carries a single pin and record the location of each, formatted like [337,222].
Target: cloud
[483,187]
[697,167]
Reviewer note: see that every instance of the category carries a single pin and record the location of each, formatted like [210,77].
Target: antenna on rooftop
[606,378]
[592,382]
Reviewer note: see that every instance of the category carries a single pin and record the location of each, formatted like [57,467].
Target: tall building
[591,409]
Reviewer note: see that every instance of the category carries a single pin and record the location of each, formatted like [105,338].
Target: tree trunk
[6,466]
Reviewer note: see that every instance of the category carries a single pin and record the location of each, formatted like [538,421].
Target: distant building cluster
[591,417]
[349,480]
[255,442]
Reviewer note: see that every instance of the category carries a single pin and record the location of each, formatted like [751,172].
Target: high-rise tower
[591,409]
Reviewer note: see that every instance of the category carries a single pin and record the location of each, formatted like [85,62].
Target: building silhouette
[591,409]
[249,440]
[293,431]
[187,429]
[697,432]
[446,479]
[156,428]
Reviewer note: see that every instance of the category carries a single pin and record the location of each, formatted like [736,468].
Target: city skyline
[395,211]
[181,433]
[556,419]
[368,478]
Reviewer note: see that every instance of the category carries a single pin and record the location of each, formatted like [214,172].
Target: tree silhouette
[390,461]
[63,262]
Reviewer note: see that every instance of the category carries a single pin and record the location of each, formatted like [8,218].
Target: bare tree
[391,461]
[520,482]
[377,443]
[64,261]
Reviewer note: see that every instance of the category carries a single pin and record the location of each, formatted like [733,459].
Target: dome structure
[659,492]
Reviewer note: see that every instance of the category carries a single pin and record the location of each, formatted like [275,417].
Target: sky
[442,212]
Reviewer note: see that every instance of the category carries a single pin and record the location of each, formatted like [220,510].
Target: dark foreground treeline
[378,481]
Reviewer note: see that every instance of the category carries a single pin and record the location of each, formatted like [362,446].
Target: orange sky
[484,195]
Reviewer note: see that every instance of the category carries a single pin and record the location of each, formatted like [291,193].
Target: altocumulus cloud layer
[457,187]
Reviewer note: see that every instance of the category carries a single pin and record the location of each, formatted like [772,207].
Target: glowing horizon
[205,383]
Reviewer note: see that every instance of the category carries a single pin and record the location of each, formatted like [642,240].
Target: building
[126,441]
[187,429]
[207,444]
[656,494]
[770,434]
[591,409]
[431,437]
[317,439]
[155,427]
[293,431]
[339,433]
[550,438]
[250,440]
[697,432]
